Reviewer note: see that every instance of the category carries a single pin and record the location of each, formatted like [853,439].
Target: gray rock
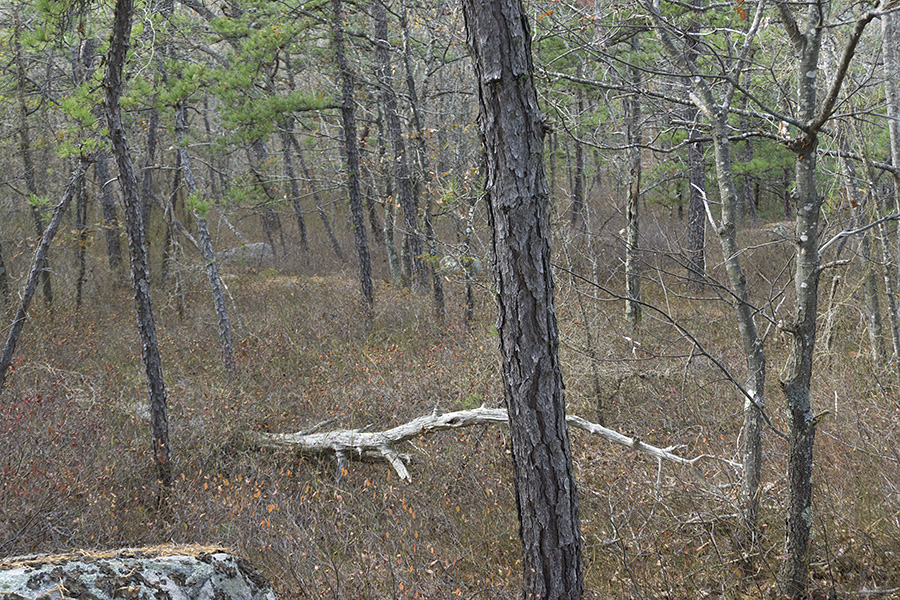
[174,572]
[250,255]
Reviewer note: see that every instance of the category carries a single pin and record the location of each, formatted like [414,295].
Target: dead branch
[380,445]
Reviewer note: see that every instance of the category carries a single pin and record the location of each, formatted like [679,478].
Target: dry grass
[76,471]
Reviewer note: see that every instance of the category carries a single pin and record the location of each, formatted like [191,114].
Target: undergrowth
[76,467]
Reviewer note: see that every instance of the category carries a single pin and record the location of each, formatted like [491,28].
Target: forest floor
[76,468]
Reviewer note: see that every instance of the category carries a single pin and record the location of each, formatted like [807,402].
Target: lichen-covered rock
[247,255]
[158,573]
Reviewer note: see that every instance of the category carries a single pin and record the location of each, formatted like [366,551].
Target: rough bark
[40,257]
[287,128]
[813,113]
[351,158]
[696,256]
[82,234]
[206,247]
[577,216]
[101,167]
[696,233]
[195,572]
[258,155]
[147,171]
[517,198]
[4,279]
[397,276]
[140,274]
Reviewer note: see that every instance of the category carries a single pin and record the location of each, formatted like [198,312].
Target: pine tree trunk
[206,247]
[404,187]
[314,190]
[81,236]
[351,157]
[140,274]
[286,129]
[25,150]
[425,174]
[517,197]
[40,257]
[108,206]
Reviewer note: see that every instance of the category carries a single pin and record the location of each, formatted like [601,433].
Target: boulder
[172,572]
[249,255]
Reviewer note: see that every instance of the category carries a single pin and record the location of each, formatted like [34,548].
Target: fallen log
[347,444]
[175,572]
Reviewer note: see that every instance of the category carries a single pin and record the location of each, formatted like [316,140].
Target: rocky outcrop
[164,572]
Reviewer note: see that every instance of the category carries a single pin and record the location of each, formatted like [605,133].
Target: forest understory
[77,469]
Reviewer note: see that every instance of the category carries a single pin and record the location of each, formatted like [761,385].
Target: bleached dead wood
[176,572]
[347,444]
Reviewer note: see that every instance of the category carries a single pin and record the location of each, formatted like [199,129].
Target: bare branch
[359,444]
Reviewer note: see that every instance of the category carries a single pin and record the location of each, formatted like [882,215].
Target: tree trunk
[4,279]
[517,197]
[890,40]
[171,247]
[754,393]
[86,66]
[888,233]
[25,150]
[40,257]
[209,255]
[405,192]
[287,128]
[351,157]
[140,274]
[696,215]
[81,239]
[258,154]
[425,174]
[147,173]
[287,131]
[335,246]
[632,201]
[577,217]
[108,206]
[870,278]
[396,269]
[796,383]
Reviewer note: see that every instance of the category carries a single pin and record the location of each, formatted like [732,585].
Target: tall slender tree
[351,157]
[113,85]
